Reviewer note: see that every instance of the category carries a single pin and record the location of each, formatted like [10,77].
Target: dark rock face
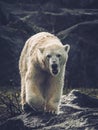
[82,65]
[79,112]
[74,21]
[11,42]
[61,3]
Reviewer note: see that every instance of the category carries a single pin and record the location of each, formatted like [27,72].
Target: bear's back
[40,40]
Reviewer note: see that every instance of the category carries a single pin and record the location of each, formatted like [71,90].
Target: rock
[60,3]
[11,42]
[70,20]
[79,112]
[82,65]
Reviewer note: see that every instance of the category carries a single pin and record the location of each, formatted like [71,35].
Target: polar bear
[42,67]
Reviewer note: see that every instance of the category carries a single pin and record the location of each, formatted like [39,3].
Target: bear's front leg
[33,95]
[53,97]
[52,107]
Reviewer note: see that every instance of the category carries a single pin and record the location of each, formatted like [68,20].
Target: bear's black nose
[54,66]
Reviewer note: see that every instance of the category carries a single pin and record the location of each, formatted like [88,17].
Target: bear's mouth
[55,71]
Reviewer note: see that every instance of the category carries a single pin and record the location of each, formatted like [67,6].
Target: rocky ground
[78,112]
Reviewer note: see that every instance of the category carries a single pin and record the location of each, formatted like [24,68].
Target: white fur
[41,88]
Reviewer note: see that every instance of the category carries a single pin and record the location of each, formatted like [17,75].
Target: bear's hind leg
[23,93]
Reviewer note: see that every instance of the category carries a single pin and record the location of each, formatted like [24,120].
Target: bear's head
[54,57]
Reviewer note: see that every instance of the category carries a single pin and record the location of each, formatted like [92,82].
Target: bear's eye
[58,55]
[48,56]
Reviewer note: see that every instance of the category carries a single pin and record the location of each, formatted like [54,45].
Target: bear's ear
[67,48]
[41,49]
